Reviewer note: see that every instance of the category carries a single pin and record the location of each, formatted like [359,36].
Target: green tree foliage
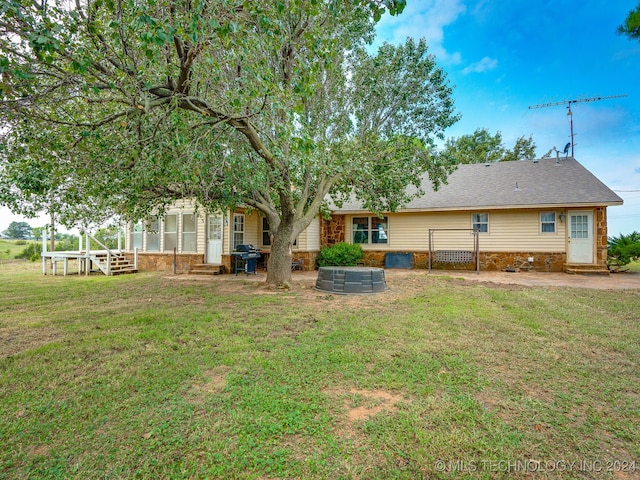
[31,252]
[124,107]
[624,248]
[65,242]
[37,232]
[631,25]
[18,230]
[482,147]
[108,236]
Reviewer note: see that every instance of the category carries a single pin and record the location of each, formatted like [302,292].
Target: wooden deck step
[120,265]
[207,269]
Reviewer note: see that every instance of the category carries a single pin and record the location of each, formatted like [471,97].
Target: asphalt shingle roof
[544,182]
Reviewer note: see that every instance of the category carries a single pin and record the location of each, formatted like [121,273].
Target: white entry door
[214,242]
[580,237]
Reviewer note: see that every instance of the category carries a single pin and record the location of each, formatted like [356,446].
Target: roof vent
[536,160]
[487,164]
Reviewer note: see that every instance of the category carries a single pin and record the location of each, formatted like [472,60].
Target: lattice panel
[453,256]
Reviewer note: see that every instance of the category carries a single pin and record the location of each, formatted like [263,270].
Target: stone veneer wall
[309,259]
[490,261]
[332,231]
[542,261]
[601,236]
[163,262]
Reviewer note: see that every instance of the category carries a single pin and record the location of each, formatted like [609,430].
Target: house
[542,215]
[545,215]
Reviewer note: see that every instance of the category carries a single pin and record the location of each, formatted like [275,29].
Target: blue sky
[506,55]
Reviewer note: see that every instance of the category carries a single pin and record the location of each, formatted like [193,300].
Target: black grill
[246,258]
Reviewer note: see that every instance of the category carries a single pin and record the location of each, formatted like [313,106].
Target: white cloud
[483,65]
[424,19]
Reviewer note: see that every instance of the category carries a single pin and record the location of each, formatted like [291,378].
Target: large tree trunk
[279,265]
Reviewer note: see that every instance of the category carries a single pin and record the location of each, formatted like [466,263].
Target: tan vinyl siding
[227,233]
[252,229]
[509,230]
[127,237]
[309,240]
[411,232]
[520,230]
[300,243]
[201,232]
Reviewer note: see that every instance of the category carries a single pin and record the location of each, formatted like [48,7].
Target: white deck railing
[84,257]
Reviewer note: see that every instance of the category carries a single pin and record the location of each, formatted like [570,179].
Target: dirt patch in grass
[211,382]
[376,402]
[365,404]
[17,340]
[355,407]
[493,404]
[39,450]
[400,285]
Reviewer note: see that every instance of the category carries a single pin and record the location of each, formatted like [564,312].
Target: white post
[87,262]
[66,266]
[119,242]
[44,250]
[108,262]
[79,251]
[135,258]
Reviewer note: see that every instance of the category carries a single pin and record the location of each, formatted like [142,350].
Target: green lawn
[9,249]
[152,376]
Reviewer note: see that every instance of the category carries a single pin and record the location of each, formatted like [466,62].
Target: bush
[340,255]
[624,248]
[31,252]
[21,242]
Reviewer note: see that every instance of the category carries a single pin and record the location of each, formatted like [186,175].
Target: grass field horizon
[160,376]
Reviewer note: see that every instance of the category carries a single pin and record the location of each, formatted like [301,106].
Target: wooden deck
[105,261]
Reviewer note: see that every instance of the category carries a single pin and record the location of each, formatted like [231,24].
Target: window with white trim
[189,232]
[238,229]
[548,222]
[136,236]
[480,222]
[153,235]
[370,230]
[266,236]
[170,232]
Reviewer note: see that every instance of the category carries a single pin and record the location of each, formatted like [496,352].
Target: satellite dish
[566,148]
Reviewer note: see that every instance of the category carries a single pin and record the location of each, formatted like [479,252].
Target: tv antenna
[570,113]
